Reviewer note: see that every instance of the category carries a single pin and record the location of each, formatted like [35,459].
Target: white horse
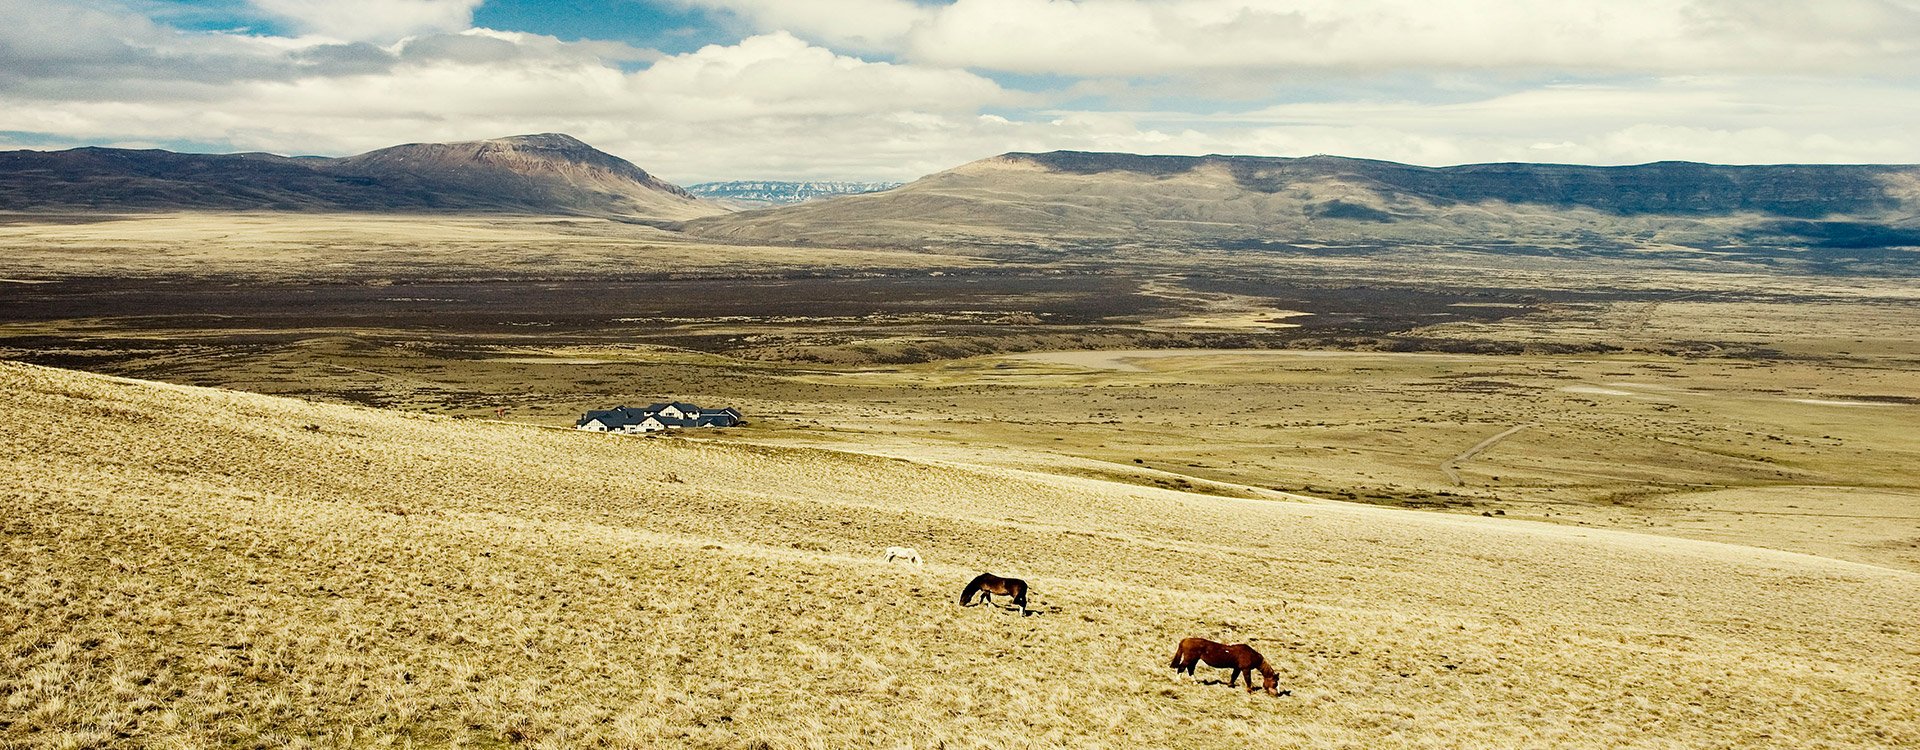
[908,554]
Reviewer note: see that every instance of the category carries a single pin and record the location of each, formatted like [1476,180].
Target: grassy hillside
[185,567]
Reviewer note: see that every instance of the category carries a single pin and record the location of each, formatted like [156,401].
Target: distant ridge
[548,173]
[1805,191]
[763,193]
[1070,198]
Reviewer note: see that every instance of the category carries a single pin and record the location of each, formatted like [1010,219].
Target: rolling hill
[537,174]
[1065,198]
[192,567]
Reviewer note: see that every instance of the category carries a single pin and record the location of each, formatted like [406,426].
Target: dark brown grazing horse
[1240,657]
[989,584]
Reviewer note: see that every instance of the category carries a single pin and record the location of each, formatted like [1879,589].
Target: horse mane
[973,586]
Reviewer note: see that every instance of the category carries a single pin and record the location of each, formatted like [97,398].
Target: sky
[697,90]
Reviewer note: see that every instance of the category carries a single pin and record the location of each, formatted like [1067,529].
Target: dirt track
[1451,465]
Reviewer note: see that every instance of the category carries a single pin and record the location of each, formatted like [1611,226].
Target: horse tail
[1178,651]
[972,586]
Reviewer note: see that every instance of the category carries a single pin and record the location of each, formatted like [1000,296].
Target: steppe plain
[1665,500]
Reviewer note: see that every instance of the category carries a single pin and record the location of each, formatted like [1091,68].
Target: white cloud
[372,20]
[84,49]
[855,24]
[769,103]
[1734,120]
[1162,37]
[777,75]
[774,105]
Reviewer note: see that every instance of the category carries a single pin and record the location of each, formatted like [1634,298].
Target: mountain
[1066,198]
[542,174]
[764,193]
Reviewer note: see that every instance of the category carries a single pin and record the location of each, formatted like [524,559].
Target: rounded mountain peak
[543,169]
[560,141]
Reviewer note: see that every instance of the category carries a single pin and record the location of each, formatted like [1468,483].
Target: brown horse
[1240,657]
[988,584]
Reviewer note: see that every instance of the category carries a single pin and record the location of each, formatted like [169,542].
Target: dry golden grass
[318,247]
[195,568]
[1780,454]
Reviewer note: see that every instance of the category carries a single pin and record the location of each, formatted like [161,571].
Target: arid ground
[225,569]
[1462,498]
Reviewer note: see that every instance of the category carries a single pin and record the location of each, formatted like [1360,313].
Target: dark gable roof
[592,414]
[619,416]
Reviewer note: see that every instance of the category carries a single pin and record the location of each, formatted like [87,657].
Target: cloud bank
[890,89]
[372,20]
[1157,37]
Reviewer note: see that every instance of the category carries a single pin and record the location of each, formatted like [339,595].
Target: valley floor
[1663,500]
[1716,398]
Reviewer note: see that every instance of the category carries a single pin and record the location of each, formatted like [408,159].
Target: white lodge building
[656,417]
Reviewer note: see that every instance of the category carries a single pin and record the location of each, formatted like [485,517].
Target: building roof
[622,416]
[619,416]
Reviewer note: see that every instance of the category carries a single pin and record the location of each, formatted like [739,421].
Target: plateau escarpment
[1066,198]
